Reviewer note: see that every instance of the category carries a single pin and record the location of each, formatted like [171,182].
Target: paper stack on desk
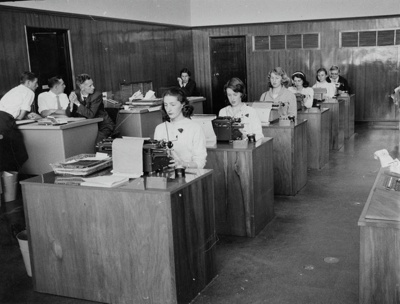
[107,181]
[136,95]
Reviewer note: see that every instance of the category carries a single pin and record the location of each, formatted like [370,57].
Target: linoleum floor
[285,263]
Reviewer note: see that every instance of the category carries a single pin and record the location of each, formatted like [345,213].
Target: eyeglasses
[334,73]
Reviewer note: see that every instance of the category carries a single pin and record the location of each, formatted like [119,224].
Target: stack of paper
[108,181]
[136,95]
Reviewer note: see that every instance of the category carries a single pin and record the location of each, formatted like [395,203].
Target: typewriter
[227,128]
[156,156]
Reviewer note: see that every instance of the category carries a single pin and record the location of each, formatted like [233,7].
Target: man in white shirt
[17,102]
[14,106]
[55,101]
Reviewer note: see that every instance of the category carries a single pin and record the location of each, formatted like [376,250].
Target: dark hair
[281,72]
[301,75]
[82,78]
[25,76]
[187,109]
[53,81]
[236,85]
[185,70]
[326,73]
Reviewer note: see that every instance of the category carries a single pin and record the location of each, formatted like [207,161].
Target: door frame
[68,32]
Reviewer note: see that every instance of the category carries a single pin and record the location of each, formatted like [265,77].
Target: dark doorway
[49,55]
[228,59]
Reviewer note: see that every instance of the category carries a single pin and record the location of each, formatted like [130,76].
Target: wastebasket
[9,180]
[22,238]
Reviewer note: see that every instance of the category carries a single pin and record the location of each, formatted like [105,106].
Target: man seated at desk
[55,101]
[15,105]
[340,82]
[86,102]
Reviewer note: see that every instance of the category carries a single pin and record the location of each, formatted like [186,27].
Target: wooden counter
[318,127]
[51,144]
[349,112]
[290,156]
[243,187]
[122,245]
[337,108]
[144,123]
[379,245]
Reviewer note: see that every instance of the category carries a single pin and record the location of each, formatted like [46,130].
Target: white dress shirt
[17,99]
[48,101]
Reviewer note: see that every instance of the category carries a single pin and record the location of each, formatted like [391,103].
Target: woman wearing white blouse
[235,91]
[187,137]
[322,82]
[301,86]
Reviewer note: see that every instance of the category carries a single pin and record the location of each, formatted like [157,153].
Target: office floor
[308,254]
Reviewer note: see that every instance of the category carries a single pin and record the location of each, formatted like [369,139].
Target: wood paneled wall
[372,72]
[110,50]
[113,51]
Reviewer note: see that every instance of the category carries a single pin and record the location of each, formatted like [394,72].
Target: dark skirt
[12,148]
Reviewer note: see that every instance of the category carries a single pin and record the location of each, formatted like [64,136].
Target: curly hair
[237,86]
[187,109]
[281,72]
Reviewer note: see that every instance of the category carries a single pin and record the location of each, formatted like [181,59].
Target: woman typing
[235,91]
[301,87]
[187,137]
[278,93]
[323,82]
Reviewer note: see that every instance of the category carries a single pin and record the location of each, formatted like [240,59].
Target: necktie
[58,103]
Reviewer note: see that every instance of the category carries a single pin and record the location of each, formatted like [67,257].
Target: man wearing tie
[86,102]
[55,101]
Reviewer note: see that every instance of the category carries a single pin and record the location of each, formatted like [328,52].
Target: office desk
[336,134]
[379,245]
[290,156]
[349,112]
[243,187]
[122,245]
[50,144]
[197,103]
[318,126]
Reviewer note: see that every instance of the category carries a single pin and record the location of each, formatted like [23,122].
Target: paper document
[150,95]
[127,154]
[108,181]
[384,157]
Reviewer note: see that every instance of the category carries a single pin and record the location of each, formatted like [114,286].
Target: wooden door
[228,59]
[49,56]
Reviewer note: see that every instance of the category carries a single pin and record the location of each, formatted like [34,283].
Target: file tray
[81,165]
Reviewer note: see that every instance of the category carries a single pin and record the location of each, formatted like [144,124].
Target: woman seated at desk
[188,139]
[278,81]
[235,91]
[86,102]
[301,87]
[186,83]
[323,82]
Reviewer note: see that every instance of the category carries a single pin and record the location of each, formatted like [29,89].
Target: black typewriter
[156,156]
[227,128]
